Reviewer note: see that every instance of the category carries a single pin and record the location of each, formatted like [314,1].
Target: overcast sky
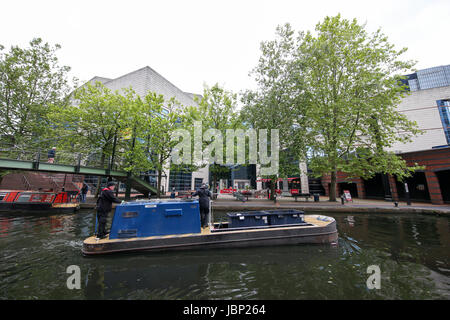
[195,42]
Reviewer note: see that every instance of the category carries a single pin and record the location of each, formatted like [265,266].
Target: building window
[198,183]
[444,111]
[180,180]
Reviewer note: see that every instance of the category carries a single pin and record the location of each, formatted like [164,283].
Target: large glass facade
[444,111]
[429,78]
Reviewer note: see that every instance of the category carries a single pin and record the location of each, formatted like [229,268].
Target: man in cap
[104,207]
[203,194]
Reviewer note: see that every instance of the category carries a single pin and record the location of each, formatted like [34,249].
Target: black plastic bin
[283,217]
[316,197]
[248,219]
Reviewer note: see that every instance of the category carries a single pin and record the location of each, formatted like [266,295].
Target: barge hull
[234,239]
[37,208]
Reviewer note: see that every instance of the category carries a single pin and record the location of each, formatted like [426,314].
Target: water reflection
[412,251]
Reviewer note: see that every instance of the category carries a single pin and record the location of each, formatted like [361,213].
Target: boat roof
[29,191]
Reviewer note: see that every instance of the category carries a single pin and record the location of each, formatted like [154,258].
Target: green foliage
[90,123]
[217,110]
[278,101]
[31,81]
[352,84]
[333,95]
[168,120]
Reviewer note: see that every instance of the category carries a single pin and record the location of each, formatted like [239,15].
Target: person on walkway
[203,198]
[51,155]
[104,207]
[172,195]
[84,191]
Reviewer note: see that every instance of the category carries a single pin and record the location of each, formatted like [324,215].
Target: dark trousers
[101,220]
[204,211]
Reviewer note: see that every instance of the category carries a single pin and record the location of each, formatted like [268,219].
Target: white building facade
[429,92]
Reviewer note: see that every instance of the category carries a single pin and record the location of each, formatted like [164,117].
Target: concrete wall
[421,106]
[146,79]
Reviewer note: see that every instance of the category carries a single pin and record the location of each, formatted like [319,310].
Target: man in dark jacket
[104,207]
[203,198]
[84,191]
[172,195]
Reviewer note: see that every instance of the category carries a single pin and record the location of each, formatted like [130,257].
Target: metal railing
[26,183]
[62,157]
[91,159]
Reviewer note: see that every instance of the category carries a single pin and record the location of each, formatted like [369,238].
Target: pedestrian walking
[84,191]
[51,155]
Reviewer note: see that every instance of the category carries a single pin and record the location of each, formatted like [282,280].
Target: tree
[217,108]
[31,80]
[150,123]
[352,87]
[91,124]
[167,120]
[277,103]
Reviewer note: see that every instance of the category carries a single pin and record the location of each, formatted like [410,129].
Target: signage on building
[347,195]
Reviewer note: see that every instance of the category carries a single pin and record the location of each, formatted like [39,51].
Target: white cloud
[196,42]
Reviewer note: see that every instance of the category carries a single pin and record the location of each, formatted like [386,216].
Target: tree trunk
[273,184]
[332,190]
[99,179]
[158,191]
[214,182]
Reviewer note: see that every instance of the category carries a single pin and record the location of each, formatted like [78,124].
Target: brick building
[429,105]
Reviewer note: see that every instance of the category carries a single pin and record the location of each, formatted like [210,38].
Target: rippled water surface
[412,251]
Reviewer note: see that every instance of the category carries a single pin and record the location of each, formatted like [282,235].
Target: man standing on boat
[203,198]
[104,207]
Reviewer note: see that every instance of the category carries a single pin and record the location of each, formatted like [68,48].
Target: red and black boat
[39,201]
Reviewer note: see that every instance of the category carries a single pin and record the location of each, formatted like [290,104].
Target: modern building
[428,103]
[142,81]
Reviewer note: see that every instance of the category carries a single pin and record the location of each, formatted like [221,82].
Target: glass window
[180,180]
[444,111]
[413,85]
[38,197]
[24,197]
[198,183]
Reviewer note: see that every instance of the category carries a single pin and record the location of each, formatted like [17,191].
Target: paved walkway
[228,202]
[357,205]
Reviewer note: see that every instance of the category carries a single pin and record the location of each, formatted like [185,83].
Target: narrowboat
[38,201]
[163,225]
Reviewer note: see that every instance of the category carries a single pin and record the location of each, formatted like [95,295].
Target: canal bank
[323,206]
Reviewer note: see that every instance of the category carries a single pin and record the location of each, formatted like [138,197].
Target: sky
[193,43]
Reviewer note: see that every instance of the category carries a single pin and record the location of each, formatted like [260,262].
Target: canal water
[411,251]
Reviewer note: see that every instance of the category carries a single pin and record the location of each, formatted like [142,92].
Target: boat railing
[26,182]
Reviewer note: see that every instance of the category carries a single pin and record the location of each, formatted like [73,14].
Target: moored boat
[38,201]
[175,225]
